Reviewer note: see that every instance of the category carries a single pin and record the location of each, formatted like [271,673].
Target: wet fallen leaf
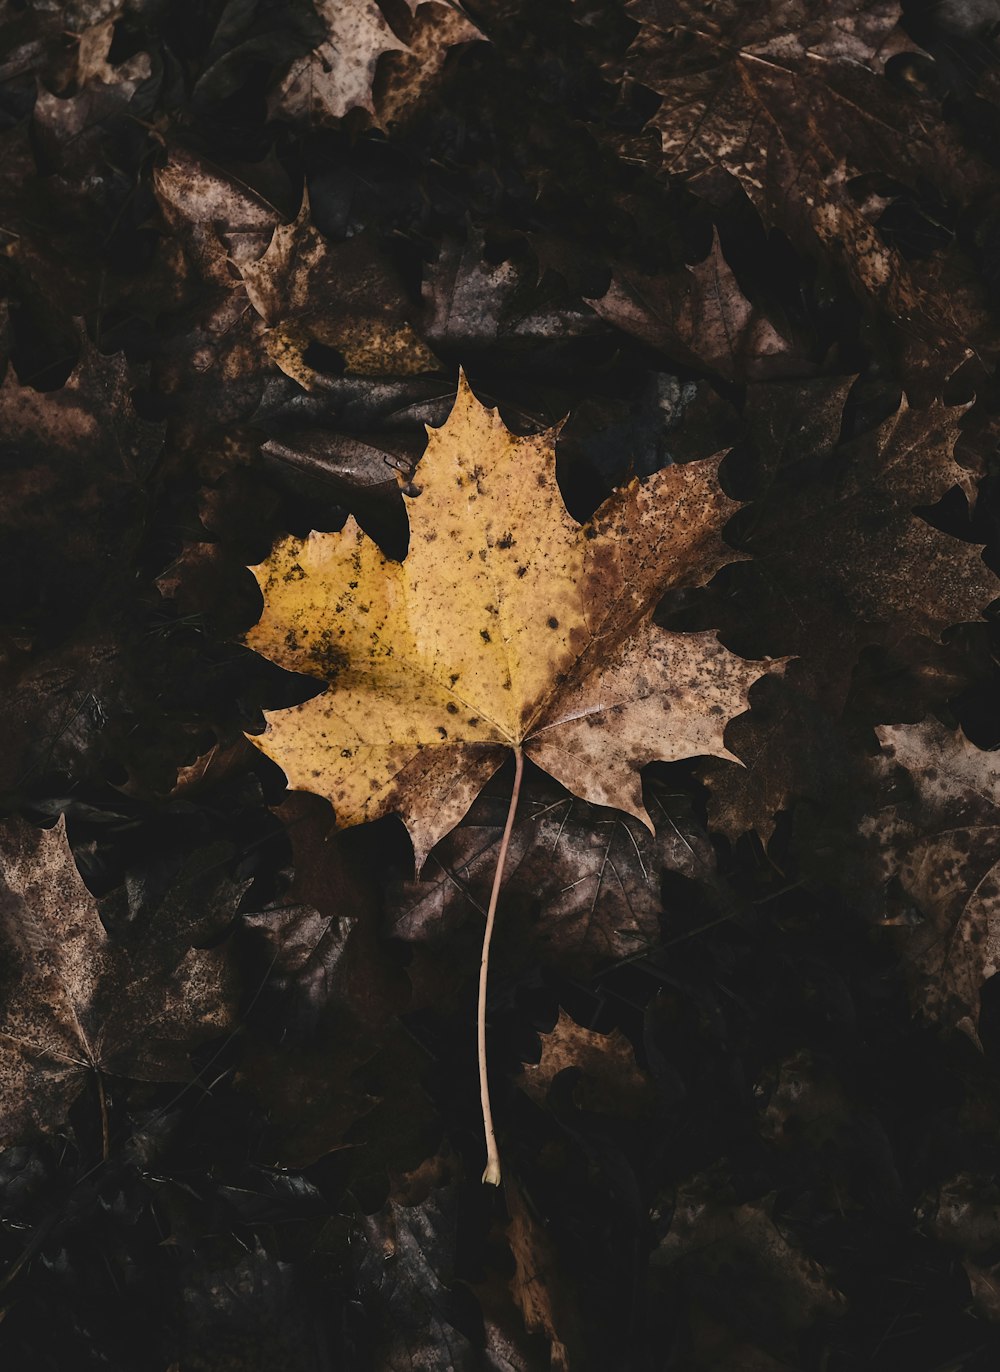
[403,1277]
[78,457]
[472,303]
[916,579]
[338,1002]
[736,1259]
[756,95]
[252,1313]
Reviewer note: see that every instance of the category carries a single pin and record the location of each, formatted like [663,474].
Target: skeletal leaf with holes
[507,626]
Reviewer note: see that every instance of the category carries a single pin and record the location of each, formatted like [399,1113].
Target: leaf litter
[726,281]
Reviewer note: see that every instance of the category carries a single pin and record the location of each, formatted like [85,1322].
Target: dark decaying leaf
[79,458]
[251,1313]
[841,559]
[870,553]
[341,296]
[471,303]
[701,318]
[76,1005]
[404,1275]
[215,348]
[794,96]
[736,1260]
[606,1076]
[582,885]
[937,833]
[320,1074]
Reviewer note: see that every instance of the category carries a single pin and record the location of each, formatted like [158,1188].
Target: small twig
[492,1173]
[102,1099]
[104,1121]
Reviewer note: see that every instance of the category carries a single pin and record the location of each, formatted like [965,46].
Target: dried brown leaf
[538,1290]
[222,222]
[214,356]
[406,79]
[337,76]
[701,318]
[790,100]
[941,842]
[75,1004]
[344,295]
[611,1081]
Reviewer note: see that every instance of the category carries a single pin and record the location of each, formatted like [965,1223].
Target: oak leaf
[508,626]
[76,1003]
[939,838]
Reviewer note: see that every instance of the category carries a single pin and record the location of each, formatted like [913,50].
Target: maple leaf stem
[492,1172]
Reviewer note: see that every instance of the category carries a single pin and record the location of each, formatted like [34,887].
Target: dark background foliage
[808,1178]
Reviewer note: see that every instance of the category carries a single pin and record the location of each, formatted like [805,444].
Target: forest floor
[744,1062]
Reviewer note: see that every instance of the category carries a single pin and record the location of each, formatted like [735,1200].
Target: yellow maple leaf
[507,626]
